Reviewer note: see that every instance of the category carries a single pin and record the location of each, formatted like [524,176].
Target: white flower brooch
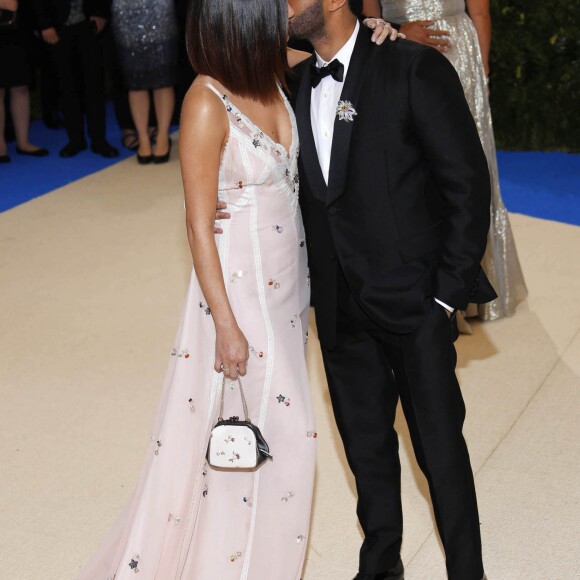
[345,111]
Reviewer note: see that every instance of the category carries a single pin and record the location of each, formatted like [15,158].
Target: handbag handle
[244,404]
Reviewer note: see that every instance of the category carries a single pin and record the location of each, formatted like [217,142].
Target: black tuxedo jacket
[407,208]
[53,13]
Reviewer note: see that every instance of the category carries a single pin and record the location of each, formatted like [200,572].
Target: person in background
[15,76]
[50,101]
[461,30]
[72,31]
[147,45]
[120,96]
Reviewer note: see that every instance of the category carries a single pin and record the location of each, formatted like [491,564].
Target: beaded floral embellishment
[228,104]
[282,399]
[237,275]
[205,308]
[345,111]
[180,353]
[134,563]
[205,488]
[257,139]
[256,353]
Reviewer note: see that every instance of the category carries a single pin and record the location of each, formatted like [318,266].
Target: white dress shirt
[323,104]
[324,100]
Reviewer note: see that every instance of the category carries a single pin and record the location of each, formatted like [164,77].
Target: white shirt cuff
[446,306]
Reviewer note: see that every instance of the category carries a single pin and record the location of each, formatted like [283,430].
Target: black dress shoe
[163,158]
[105,150]
[395,573]
[42,152]
[4,158]
[72,149]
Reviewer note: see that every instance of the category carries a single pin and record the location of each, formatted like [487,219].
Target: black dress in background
[15,45]
[146,35]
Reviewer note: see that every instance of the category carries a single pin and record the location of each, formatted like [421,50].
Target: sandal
[130,140]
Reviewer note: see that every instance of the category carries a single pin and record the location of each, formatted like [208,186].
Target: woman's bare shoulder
[201,101]
[295,57]
[203,115]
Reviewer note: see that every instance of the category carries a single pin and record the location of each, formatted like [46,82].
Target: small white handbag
[235,444]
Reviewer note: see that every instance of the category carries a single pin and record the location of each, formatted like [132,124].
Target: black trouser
[79,64]
[49,84]
[368,371]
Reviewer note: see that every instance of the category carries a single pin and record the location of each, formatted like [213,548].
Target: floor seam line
[542,383]
[530,400]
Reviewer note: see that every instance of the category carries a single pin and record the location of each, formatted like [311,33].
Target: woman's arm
[10,5]
[372,8]
[478,11]
[204,131]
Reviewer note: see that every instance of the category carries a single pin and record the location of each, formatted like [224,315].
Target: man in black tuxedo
[72,29]
[395,196]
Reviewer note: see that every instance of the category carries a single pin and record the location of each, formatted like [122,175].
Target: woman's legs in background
[164,100]
[139,103]
[20,110]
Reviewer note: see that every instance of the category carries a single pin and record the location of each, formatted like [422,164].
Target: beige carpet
[92,281]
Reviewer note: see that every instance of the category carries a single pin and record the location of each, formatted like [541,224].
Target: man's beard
[309,24]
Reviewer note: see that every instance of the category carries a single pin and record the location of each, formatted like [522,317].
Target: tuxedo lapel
[342,128]
[308,154]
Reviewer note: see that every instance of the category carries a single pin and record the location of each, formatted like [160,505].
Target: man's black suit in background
[79,63]
[403,220]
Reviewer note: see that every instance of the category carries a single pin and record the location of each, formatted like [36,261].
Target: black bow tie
[335,68]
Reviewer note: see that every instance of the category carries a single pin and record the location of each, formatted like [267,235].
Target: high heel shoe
[144,159]
[163,158]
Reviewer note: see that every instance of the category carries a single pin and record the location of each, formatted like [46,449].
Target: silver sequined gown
[500,262]
[145,33]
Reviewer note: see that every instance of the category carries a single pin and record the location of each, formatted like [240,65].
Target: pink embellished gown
[185,520]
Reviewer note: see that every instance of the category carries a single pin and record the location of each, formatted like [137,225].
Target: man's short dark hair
[240,43]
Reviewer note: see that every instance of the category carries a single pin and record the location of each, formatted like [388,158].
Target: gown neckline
[255,127]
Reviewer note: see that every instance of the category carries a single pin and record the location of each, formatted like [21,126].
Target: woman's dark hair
[240,43]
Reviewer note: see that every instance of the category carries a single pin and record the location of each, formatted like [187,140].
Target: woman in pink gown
[246,309]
